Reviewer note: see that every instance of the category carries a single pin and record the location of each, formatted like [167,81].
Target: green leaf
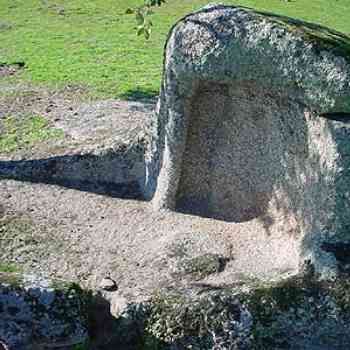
[142,14]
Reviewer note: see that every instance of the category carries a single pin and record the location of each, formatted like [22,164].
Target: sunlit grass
[23,133]
[93,42]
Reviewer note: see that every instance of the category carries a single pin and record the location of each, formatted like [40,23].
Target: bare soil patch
[11,69]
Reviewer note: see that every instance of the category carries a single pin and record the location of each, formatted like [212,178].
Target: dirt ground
[82,235]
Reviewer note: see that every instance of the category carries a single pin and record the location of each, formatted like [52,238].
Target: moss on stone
[202,266]
[15,227]
[302,300]
[59,313]
[16,232]
[284,294]
[82,346]
[283,313]
[70,296]
[192,322]
[321,37]
[340,292]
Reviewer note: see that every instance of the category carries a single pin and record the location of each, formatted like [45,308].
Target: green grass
[9,268]
[93,42]
[25,132]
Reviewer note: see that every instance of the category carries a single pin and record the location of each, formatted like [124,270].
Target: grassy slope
[92,42]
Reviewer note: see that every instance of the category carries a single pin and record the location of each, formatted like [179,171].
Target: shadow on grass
[140,94]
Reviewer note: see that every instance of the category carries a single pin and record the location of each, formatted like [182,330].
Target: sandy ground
[84,236]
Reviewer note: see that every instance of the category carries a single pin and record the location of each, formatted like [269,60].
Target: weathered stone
[298,313]
[35,313]
[252,124]
[216,320]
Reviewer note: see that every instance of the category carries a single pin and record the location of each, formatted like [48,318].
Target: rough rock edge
[36,312]
[297,313]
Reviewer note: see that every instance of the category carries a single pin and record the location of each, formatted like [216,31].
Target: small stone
[108,284]
[3,346]
[119,306]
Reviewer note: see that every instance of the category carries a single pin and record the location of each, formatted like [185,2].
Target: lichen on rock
[301,312]
[246,130]
[35,312]
[215,320]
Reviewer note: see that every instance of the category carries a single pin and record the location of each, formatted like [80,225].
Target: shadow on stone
[341,252]
[241,145]
[111,174]
[339,117]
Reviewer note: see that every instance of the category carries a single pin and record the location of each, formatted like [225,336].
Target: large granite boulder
[252,124]
[36,313]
